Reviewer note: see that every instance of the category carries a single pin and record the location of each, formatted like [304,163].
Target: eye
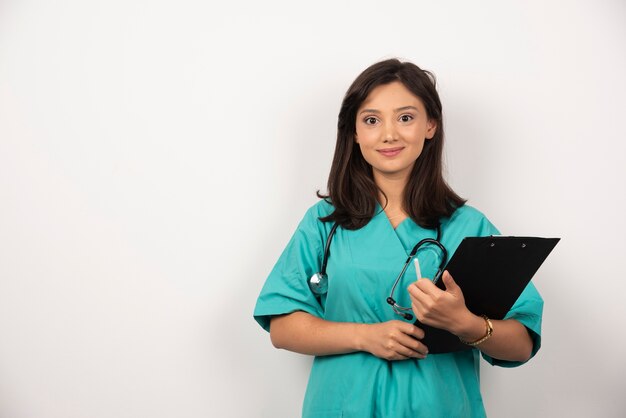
[406,118]
[370,120]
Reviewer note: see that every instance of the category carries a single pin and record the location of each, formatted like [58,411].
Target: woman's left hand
[438,308]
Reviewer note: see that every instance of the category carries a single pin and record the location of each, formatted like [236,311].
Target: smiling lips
[390,152]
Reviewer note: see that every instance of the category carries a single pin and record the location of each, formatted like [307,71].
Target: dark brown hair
[351,187]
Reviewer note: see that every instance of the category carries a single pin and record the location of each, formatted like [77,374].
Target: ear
[356,139]
[431,129]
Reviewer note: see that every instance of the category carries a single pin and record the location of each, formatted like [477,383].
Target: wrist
[358,336]
[485,337]
[471,328]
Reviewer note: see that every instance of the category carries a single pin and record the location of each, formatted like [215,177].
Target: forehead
[392,95]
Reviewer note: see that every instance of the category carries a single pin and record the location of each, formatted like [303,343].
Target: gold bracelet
[489,328]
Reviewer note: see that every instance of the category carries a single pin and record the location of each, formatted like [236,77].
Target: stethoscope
[319,281]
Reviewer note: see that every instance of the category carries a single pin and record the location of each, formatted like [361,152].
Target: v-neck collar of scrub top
[407,233]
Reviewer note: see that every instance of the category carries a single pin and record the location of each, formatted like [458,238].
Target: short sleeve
[286,289]
[528,310]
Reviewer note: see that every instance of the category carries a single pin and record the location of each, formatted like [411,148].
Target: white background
[156,156]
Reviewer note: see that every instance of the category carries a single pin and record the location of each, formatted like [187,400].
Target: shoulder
[467,213]
[470,220]
[320,209]
[311,222]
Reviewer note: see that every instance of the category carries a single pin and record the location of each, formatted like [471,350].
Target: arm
[446,310]
[304,333]
[509,341]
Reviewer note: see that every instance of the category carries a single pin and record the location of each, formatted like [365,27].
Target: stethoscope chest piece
[319,283]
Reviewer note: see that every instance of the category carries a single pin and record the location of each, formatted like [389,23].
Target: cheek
[414,132]
[367,152]
[365,137]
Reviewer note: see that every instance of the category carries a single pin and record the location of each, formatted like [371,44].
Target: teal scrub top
[361,269]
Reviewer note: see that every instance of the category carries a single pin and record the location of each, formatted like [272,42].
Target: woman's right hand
[392,340]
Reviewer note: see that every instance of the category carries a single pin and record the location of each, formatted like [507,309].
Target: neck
[391,197]
[393,189]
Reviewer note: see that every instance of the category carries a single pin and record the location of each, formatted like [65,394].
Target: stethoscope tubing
[319,281]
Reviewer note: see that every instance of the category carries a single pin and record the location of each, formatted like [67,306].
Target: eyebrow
[400,109]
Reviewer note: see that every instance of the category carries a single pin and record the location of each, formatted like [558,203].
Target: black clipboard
[492,272]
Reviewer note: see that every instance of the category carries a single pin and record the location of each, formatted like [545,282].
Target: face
[391,127]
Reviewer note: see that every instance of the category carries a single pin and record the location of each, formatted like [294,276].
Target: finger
[415,335]
[413,331]
[428,287]
[418,308]
[412,346]
[451,285]
[409,352]
[396,353]
[402,352]
[416,290]
[423,315]
[415,293]
[397,347]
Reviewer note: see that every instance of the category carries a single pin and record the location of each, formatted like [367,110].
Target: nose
[390,134]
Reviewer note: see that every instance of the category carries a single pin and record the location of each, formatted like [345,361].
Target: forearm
[510,339]
[304,333]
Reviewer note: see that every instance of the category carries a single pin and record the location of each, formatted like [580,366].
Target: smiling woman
[386,192]
[392,125]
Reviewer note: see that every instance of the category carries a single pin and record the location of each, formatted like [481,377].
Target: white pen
[418,272]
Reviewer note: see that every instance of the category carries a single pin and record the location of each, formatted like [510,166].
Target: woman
[386,192]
